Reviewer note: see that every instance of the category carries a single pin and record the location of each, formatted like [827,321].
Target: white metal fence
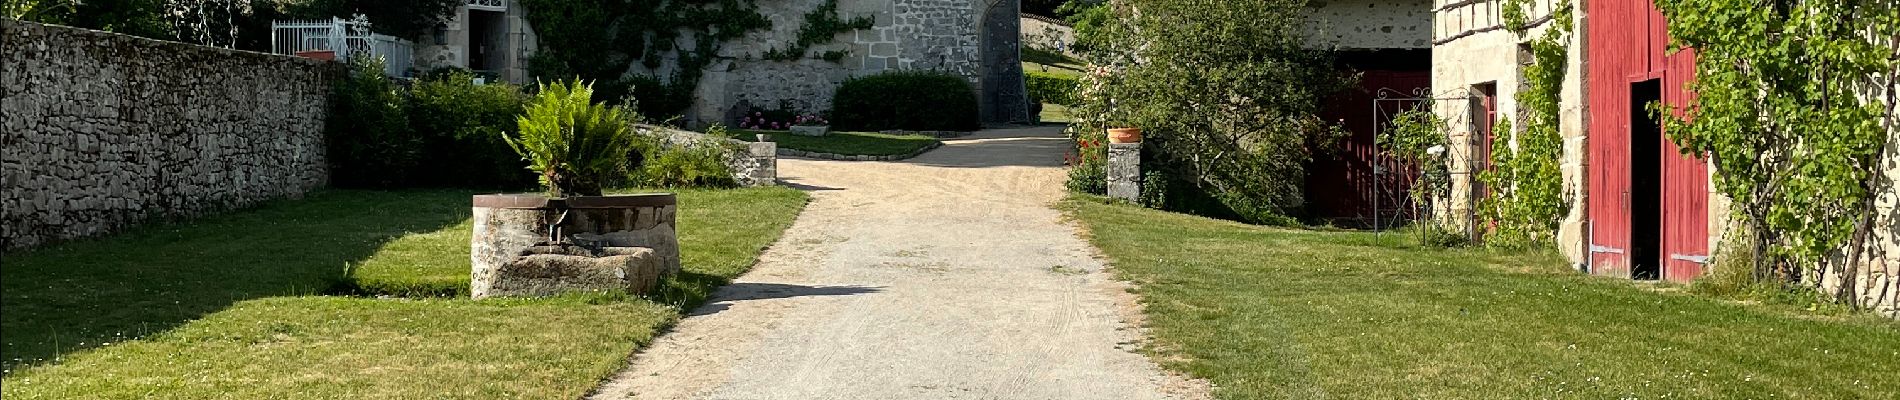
[345,38]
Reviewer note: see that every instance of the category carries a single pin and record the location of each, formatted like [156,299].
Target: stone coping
[527,200]
[856,157]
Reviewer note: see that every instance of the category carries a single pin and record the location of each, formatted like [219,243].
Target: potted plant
[810,125]
[1123,132]
[572,236]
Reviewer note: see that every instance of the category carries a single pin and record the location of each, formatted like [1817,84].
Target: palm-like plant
[574,144]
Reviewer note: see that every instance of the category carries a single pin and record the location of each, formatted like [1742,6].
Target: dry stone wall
[102,131]
[939,35]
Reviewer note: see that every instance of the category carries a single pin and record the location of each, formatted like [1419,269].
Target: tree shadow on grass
[77,295]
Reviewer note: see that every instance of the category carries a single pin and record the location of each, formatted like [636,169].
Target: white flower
[1435,150]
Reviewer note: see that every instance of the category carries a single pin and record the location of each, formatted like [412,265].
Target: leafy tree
[1791,108]
[1226,92]
[403,18]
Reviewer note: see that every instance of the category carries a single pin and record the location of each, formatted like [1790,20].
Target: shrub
[1051,88]
[462,125]
[658,162]
[576,145]
[913,100]
[1227,94]
[367,134]
[1088,167]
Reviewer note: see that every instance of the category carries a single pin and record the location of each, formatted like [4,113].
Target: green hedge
[1051,88]
[914,100]
[442,131]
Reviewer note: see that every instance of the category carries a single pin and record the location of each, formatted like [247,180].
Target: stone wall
[102,131]
[1471,49]
[1370,24]
[939,35]
[751,164]
[1046,33]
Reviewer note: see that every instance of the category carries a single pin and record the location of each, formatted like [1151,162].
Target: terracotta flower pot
[1124,135]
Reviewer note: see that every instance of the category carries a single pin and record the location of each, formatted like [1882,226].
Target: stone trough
[531,245]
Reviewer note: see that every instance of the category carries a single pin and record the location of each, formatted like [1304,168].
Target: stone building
[1477,71]
[1388,43]
[490,36]
[976,39]
[1639,209]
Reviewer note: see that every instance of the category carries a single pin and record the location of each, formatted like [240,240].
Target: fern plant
[574,144]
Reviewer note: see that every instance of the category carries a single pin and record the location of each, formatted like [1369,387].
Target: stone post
[765,159]
[1124,171]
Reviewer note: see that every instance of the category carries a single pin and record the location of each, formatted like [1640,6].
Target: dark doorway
[1644,199]
[487,40]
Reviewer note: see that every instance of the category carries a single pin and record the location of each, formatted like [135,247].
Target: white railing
[488,5]
[344,38]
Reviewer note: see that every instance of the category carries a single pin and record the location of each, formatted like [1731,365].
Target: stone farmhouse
[977,39]
[1639,209]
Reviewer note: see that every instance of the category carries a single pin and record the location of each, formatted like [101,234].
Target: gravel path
[946,276]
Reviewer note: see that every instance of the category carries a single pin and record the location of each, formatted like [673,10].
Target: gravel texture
[945,276]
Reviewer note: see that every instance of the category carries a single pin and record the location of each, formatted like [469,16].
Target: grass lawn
[1056,113]
[231,307]
[846,143]
[1051,62]
[1277,313]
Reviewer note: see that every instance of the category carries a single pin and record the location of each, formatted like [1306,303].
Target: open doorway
[1644,199]
[487,40]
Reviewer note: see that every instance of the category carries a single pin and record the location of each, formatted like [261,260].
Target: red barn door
[1648,203]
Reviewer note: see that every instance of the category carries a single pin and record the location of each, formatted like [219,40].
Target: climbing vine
[600,40]
[1792,109]
[1526,198]
[821,25]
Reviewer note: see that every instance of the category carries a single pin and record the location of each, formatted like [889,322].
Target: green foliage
[575,42]
[822,25]
[576,145]
[1527,199]
[462,125]
[407,18]
[697,164]
[1088,166]
[1052,88]
[368,136]
[1226,93]
[1420,138]
[1091,19]
[914,100]
[1779,112]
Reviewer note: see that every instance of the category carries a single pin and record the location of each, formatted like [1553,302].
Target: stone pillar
[1124,171]
[765,163]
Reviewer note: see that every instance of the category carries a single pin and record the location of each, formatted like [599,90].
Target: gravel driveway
[946,276]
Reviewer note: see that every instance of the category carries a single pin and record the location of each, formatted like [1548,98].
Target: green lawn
[1276,313]
[231,307]
[1051,62]
[846,143]
[1056,113]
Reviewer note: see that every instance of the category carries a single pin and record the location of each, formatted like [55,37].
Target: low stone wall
[752,164]
[102,131]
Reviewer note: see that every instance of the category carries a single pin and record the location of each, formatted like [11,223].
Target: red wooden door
[1685,210]
[1628,43]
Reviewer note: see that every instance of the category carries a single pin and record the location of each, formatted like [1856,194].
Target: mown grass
[1277,313]
[227,307]
[846,143]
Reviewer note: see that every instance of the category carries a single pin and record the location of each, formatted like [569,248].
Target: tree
[1791,108]
[1226,92]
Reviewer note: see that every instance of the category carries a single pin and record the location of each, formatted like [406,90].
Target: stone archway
[1004,97]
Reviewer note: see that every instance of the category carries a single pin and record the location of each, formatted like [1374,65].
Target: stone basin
[506,225]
